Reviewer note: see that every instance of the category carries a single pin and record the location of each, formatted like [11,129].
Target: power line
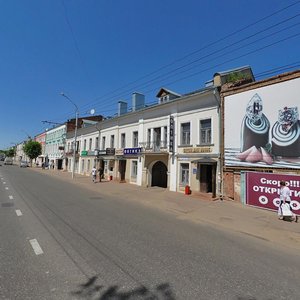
[190,54]
[204,47]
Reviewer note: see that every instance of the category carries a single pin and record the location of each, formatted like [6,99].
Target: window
[112,141]
[103,143]
[97,143]
[135,139]
[134,169]
[205,131]
[90,144]
[82,166]
[165,136]
[148,138]
[185,134]
[84,145]
[184,174]
[123,141]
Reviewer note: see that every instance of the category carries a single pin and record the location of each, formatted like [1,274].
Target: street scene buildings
[205,142]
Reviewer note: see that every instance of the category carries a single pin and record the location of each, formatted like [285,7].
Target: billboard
[262,127]
[262,190]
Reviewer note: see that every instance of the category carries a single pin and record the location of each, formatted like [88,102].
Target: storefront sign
[131,151]
[119,152]
[197,150]
[262,190]
[171,138]
[110,151]
[84,153]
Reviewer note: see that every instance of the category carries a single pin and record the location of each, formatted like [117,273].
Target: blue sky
[99,52]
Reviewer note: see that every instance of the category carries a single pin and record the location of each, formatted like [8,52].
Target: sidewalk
[225,215]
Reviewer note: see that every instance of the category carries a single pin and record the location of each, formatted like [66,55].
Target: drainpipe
[218,100]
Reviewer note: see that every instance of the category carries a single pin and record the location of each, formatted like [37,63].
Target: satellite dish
[92,111]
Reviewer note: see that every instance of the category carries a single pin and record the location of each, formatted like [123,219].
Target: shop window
[184,174]
[134,169]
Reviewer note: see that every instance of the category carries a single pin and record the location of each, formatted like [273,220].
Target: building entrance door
[207,178]
[122,169]
[159,175]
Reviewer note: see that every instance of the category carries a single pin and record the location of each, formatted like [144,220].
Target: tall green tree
[32,149]
[10,152]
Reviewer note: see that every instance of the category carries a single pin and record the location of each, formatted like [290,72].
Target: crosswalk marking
[18,212]
[36,247]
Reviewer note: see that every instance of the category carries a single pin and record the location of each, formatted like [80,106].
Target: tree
[32,149]
[11,152]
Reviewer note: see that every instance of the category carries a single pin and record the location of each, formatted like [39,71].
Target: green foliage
[32,149]
[237,76]
[11,152]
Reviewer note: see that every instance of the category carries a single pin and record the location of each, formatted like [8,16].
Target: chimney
[138,101]
[122,108]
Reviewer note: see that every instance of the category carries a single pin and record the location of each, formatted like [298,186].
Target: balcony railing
[154,146]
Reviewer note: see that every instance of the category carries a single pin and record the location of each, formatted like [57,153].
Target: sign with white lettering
[132,151]
[171,137]
[263,189]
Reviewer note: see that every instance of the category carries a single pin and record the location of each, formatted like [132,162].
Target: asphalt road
[72,243]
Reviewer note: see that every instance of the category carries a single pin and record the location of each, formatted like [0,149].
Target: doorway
[207,178]
[122,169]
[159,175]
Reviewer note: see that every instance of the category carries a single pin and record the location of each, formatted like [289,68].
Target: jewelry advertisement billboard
[262,127]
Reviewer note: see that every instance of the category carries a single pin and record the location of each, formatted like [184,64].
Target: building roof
[167,91]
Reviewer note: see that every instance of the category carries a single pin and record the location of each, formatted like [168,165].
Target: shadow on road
[90,290]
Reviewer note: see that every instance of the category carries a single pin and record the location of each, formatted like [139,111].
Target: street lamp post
[75,136]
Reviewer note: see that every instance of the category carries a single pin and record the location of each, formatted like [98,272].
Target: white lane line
[36,247]
[10,197]
[19,213]
[6,188]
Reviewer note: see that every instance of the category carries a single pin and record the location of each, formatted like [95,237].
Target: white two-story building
[172,144]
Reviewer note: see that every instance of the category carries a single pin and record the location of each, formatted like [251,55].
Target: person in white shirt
[94,174]
[285,199]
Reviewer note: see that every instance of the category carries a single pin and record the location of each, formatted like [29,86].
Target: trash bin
[187,190]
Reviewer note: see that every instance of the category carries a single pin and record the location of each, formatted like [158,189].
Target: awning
[205,161]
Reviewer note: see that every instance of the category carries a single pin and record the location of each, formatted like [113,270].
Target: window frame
[185,136]
[207,132]
[184,172]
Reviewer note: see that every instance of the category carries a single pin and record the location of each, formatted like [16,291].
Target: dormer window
[164,99]
[165,95]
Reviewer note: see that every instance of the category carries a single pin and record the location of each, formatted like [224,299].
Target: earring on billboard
[286,133]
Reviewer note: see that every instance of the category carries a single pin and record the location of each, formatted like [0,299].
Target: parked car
[24,164]
[8,161]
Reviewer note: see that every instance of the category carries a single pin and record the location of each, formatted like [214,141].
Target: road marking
[6,188]
[1,178]
[36,247]
[18,212]
[4,182]
[10,197]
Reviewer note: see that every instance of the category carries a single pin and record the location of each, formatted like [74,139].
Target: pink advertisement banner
[262,190]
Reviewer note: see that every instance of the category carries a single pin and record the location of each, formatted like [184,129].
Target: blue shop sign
[132,151]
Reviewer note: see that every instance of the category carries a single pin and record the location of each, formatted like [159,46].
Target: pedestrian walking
[100,170]
[284,209]
[94,174]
